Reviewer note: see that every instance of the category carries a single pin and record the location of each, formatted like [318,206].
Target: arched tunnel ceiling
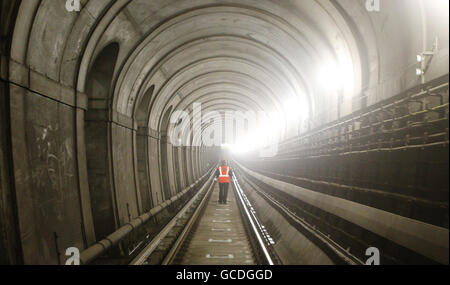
[259,53]
[90,99]
[246,48]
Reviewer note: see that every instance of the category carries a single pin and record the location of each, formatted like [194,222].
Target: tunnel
[115,116]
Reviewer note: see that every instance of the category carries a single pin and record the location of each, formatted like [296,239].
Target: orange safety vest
[224,176]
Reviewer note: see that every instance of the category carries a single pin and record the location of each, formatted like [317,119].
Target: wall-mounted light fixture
[424,59]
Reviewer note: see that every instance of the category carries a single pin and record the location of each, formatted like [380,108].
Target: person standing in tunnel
[223,175]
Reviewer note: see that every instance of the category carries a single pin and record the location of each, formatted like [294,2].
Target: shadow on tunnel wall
[97,135]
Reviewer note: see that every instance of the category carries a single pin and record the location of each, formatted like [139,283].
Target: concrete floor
[220,237]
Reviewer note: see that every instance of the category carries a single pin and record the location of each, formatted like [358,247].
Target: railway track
[339,254]
[205,232]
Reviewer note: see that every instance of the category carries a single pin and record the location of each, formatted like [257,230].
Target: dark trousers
[223,192]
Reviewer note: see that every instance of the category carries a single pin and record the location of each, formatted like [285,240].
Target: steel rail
[252,219]
[102,246]
[335,247]
[148,250]
[170,257]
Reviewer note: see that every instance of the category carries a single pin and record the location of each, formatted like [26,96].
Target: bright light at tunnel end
[330,77]
[237,132]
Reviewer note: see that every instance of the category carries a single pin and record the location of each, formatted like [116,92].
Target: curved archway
[97,133]
[165,149]
[61,148]
[142,150]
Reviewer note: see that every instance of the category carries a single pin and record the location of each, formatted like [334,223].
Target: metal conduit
[99,248]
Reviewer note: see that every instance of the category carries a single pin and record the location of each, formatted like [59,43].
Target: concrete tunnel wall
[184,52]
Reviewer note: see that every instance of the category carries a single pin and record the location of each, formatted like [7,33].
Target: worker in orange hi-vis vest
[223,175]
